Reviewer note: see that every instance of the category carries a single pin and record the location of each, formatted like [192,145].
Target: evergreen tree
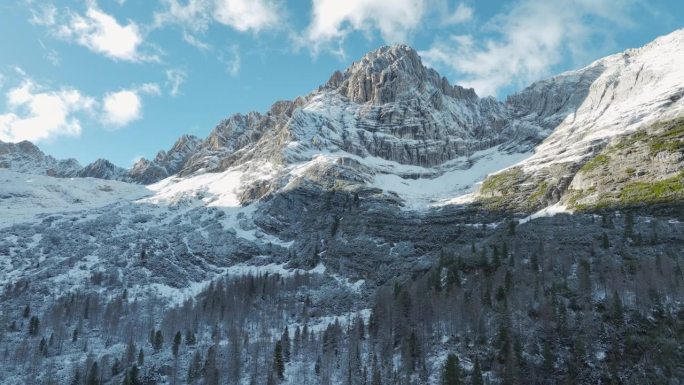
[141,357]
[483,262]
[317,366]
[42,347]
[296,343]
[27,311]
[285,340]
[34,323]
[116,367]
[477,374]
[605,243]
[86,310]
[511,227]
[76,379]
[376,376]
[130,352]
[496,261]
[629,224]
[617,311]
[548,358]
[211,373]
[190,338]
[534,263]
[158,340]
[508,281]
[132,376]
[195,368]
[176,344]
[414,350]
[451,373]
[278,362]
[93,375]
[500,294]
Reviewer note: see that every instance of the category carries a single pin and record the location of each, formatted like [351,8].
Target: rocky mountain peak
[390,74]
[26,157]
[103,169]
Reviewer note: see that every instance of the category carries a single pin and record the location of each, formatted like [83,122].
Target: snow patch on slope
[220,189]
[550,211]
[452,187]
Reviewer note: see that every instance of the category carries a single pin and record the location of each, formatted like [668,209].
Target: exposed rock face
[103,169]
[27,158]
[165,163]
[391,74]
[387,105]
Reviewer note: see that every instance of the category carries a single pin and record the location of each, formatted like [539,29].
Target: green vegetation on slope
[665,190]
[501,181]
[594,163]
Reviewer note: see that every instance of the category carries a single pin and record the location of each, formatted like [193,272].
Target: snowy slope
[25,196]
[634,88]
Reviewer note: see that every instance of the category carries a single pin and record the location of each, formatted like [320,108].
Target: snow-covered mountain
[407,127]
[364,182]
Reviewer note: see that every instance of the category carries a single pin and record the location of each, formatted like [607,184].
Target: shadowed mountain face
[362,233]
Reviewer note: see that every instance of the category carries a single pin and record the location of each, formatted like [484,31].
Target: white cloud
[174,79]
[123,107]
[50,54]
[195,42]
[98,31]
[333,20]
[149,88]
[233,61]
[46,15]
[195,16]
[461,14]
[247,15]
[531,38]
[36,114]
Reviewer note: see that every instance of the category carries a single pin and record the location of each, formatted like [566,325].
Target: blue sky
[120,79]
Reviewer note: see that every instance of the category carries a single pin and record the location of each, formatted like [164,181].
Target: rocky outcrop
[165,163]
[26,157]
[103,169]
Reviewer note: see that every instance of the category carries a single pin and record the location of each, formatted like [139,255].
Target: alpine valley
[387,228]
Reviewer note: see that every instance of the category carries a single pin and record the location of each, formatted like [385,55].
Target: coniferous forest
[507,306]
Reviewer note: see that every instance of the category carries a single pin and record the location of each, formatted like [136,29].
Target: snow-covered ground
[220,189]
[23,196]
[453,186]
[550,211]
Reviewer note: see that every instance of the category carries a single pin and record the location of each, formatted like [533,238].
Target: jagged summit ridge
[389,74]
